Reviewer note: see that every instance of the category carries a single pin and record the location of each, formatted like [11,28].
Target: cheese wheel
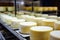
[58,18]
[40,9]
[38,15]
[40,33]
[20,12]
[55,35]
[9,20]
[11,8]
[2,8]
[44,15]
[55,8]
[27,17]
[38,20]
[48,22]
[25,26]
[30,18]
[52,17]
[45,8]
[50,8]
[57,25]
[27,13]
[16,23]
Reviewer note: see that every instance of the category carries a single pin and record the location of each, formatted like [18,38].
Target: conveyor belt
[1,36]
[6,27]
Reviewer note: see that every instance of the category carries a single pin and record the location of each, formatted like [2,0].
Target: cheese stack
[52,17]
[40,33]
[2,8]
[57,25]
[55,35]
[48,22]
[38,20]
[25,27]
[16,23]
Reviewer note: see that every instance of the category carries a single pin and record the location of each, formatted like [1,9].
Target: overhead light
[22,3]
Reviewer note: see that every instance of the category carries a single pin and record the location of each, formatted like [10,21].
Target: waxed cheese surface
[40,33]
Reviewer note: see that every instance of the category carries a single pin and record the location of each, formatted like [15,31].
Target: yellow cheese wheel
[55,8]
[38,20]
[48,22]
[25,26]
[45,8]
[57,25]
[50,8]
[55,35]
[40,9]
[40,33]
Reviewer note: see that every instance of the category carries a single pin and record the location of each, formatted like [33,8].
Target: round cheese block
[55,35]
[48,22]
[38,15]
[45,8]
[2,8]
[52,17]
[50,8]
[16,23]
[30,18]
[11,8]
[40,33]
[58,18]
[55,8]
[38,20]
[25,26]
[57,25]
[44,15]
